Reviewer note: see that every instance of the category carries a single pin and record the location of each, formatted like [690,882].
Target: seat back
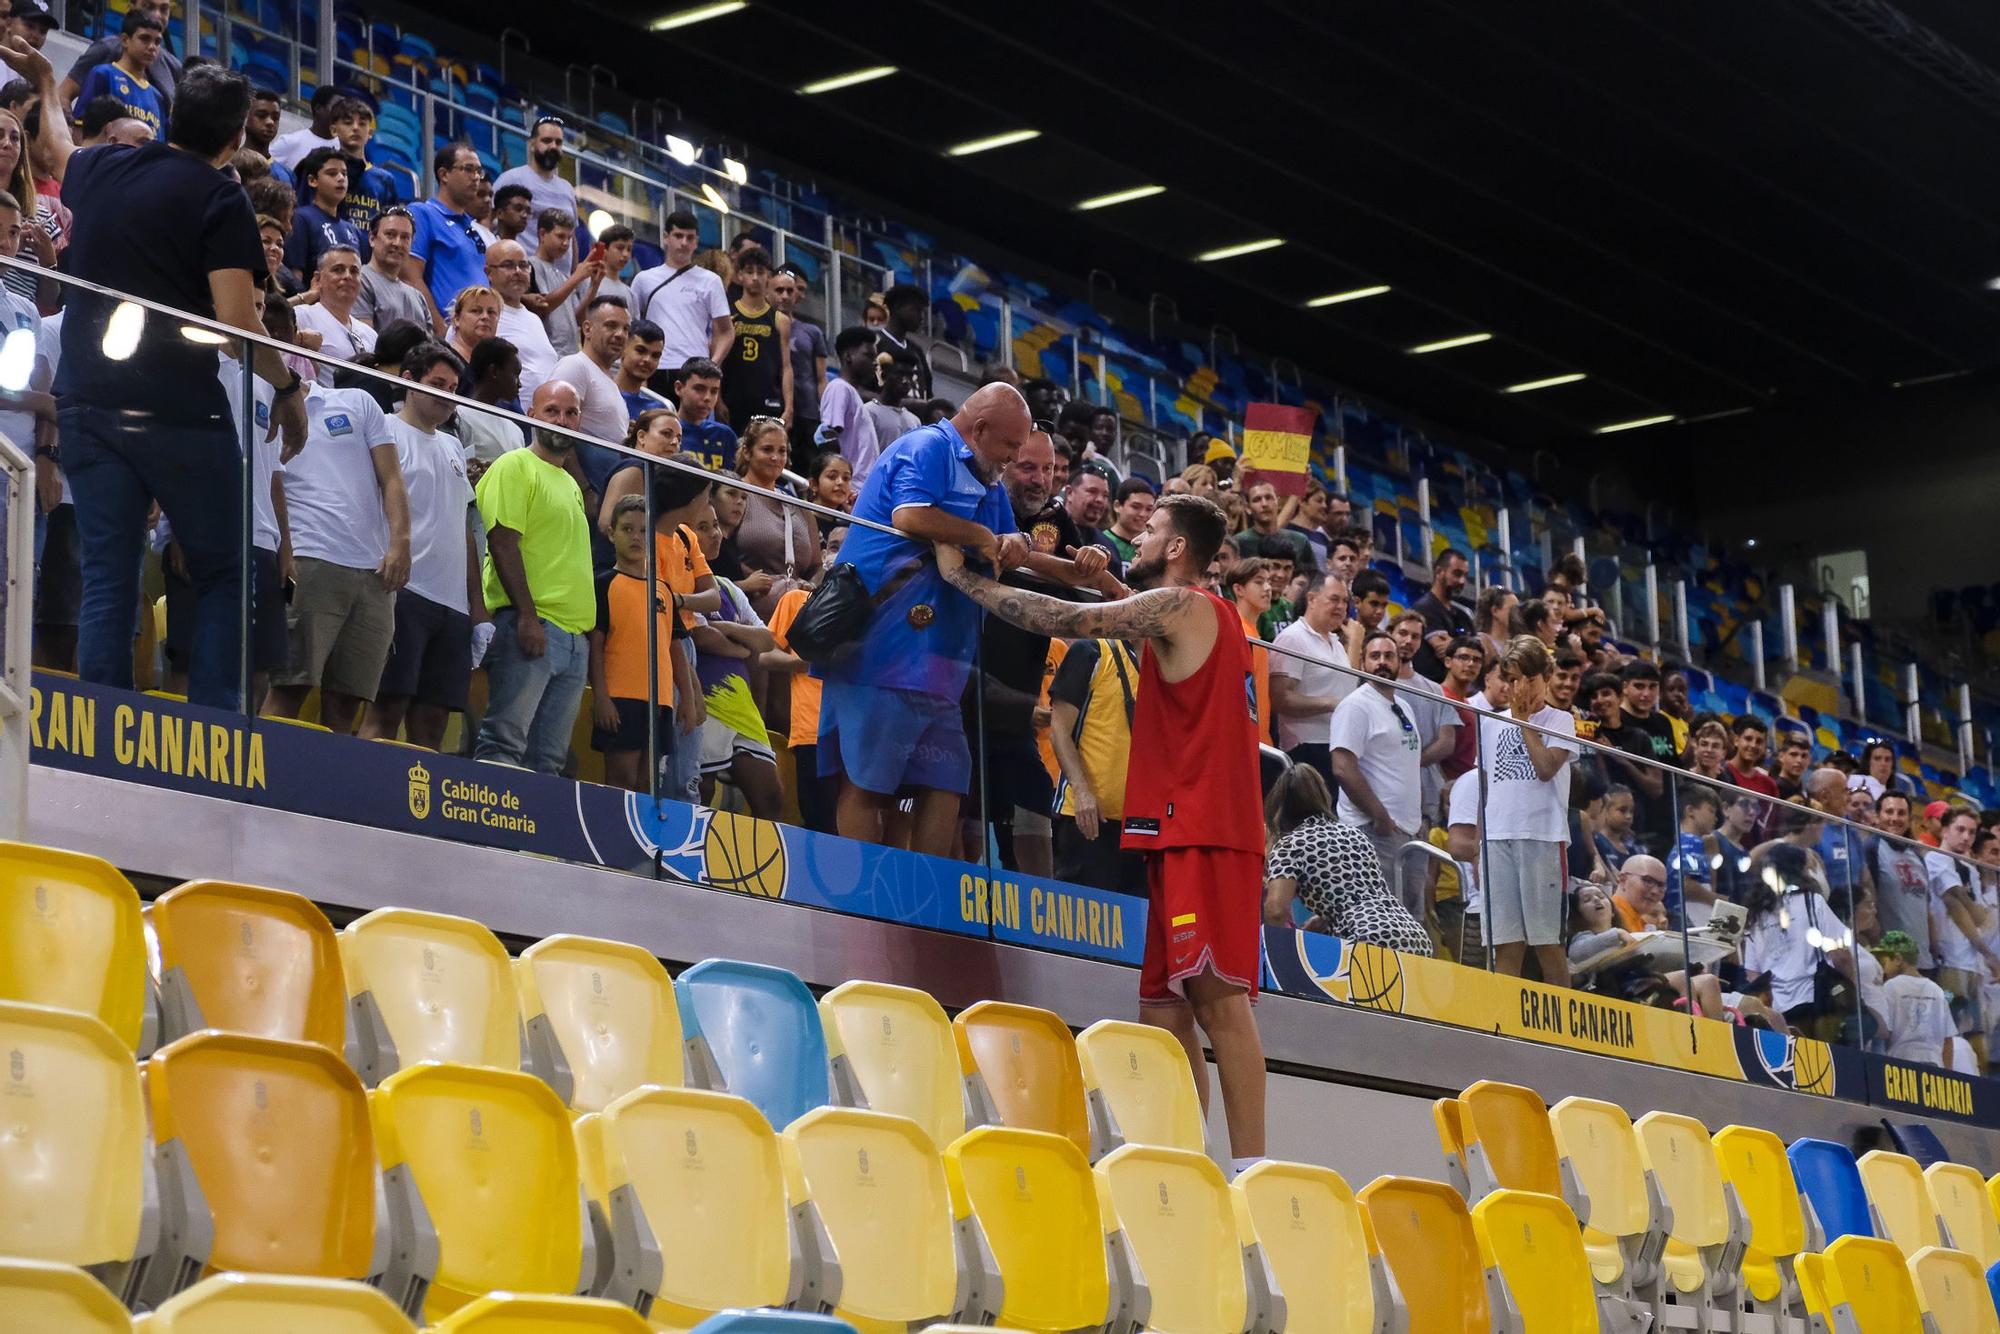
[1959,1193]
[1681,1156]
[262,1303]
[70,937]
[601,1017]
[1596,1142]
[73,1141]
[1829,1180]
[878,1185]
[1952,1287]
[1313,1234]
[1902,1200]
[443,987]
[248,960]
[39,1294]
[277,1136]
[1425,1233]
[512,1313]
[1754,1162]
[1813,1290]
[491,1154]
[761,1028]
[1448,1119]
[894,1046]
[1507,1134]
[1036,1203]
[776,1322]
[1026,1063]
[1180,1220]
[1870,1277]
[1139,1087]
[705,1173]
[1530,1242]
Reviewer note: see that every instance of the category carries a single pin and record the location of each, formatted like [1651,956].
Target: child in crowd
[618,656]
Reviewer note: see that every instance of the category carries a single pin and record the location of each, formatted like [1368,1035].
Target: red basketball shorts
[1204,914]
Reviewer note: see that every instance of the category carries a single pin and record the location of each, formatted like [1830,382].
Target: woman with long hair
[1332,867]
[1494,617]
[1789,930]
[830,482]
[37,243]
[777,543]
[1201,480]
[656,431]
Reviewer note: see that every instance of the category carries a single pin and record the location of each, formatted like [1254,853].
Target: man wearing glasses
[546,189]
[447,253]
[1376,760]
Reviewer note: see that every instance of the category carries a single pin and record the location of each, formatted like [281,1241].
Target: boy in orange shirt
[618,686]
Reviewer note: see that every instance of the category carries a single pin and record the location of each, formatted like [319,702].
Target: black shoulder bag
[837,613]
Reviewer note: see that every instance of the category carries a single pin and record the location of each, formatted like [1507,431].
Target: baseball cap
[1895,942]
[34,11]
[1937,810]
[1217,451]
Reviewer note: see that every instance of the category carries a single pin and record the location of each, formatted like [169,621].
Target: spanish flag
[1277,445]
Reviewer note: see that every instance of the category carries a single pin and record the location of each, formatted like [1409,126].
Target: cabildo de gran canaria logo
[420,791]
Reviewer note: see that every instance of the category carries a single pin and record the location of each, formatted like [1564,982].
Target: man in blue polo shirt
[889,714]
[448,254]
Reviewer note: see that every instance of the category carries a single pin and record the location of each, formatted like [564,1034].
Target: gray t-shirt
[542,194]
[1903,894]
[808,342]
[384,300]
[891,423]
[1431,712]
[560,322]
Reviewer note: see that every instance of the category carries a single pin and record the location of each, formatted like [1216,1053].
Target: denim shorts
[885,739]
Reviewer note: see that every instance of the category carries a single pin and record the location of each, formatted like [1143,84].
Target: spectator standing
[370,189]
[1708,750]
[886,411]
[907,306]
[538,586]
[1639,729]
[1878,770]
[593,373]
[1727,850]
[158,74]
[1526,820]
[1494,616]
[1370,604]
[1307,680]
[511,273]
[561,285]
[1250,594]
[1616,841]
[757,373]
[1464,659]
[540,174]
[655,431]
[1916,1014]
[617,242]
[1961,911]
[1749,740]
[621,700]
[1331,867]
[1265,517]
[475,317]
[317,225]
[1437,721]
[1091,704]
[30,22]
[291,149]
[332,316]
[513,213]
[697,389]
[447,253]
[1843,850]
[807,348]
[1377,762]
[1690,872]
[1306,520]
[496,378]
[1088,500]
[817,796]
[1794,755]
[686,300]
[843,403]
[1902,882]
[1789,930]
[385,297]
[1445,618]
[637,366]
[777,543]
[1131,511]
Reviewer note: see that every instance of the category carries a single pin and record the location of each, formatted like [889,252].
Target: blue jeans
[117,467]
[531,703]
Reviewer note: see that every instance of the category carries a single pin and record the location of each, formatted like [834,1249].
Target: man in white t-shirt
[1460,919]
[430,662]
[350,525]
[593,373]
[1307,683]
[1527,815]
[508,272]
[1375,761]
[332,316]
[1916,1014]
[269,643]
[1436,719]
[1957,895]
[687,302]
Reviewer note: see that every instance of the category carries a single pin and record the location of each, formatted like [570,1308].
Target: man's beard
[554,442]
[1146,573]
[547,158]
[1393,672]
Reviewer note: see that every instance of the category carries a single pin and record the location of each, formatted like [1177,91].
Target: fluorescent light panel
[991,142]
[1240,249]
[1446,344]
[1121,197]
[715,199]
[681,18]
[681,150]
[735,171]
[1336,298]
[849,80]
[1529,386]
[1634,424]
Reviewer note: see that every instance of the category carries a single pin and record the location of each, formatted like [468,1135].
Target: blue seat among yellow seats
[1830,1182]
[757,1029]
[772,1322]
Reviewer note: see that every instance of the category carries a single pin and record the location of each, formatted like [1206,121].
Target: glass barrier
[362,557]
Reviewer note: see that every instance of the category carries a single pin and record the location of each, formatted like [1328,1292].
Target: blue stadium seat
[759,1029]
[1917,1140]
[1831,1184]
[772,1322]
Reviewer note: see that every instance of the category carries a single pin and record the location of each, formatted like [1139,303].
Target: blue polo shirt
[710,441]
[454,256]
[1844,853]
[1689,862]
[932,466]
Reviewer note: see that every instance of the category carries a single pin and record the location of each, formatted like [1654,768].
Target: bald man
[1842,849]
[508,273]
[537,583]
[1640,899]
[890,723]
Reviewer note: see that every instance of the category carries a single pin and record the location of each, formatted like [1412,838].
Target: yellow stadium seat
[1179,1219]
[1952,1288]
[1026,1207]
[1624,1216]
[1021,1070]
[274,1303]
[1448,1118]
[248,960]
[74,1162]
[427,987]
[1138,1087]
[1705,1244]
[689,1186]
[1900,1200]
[1534,1262]
[892,1050]
[1755,1165]
[489,1157]
[1320,1248]
[1508,1142]
[1813,1294]
[874,1183]
[266,1161]
[510,1313]
[1866,1281]
[1425,1234]
[70,937]
[43,1295]
[1965,1210]
[601,1019]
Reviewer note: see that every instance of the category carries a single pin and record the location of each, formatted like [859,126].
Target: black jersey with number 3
[753,370]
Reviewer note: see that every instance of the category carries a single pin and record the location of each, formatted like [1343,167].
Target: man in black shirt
[153,423]
[1444,618]
[1644,730]
[907,306]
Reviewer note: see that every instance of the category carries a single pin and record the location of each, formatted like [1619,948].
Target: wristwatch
[294,387]
[45,451]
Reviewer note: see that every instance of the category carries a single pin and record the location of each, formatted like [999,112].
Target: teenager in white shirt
[1527,815]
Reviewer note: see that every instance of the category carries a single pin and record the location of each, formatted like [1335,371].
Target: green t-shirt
[543,504]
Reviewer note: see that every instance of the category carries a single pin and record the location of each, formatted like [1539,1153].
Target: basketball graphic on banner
[1375,978]
[1812,1066]
[744,854]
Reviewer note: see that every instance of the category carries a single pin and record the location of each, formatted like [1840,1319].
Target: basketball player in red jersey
[1193,799]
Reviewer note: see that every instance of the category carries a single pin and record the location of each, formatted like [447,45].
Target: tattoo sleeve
[1144,616]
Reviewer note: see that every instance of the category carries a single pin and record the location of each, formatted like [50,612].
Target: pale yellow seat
[73,1149]
[874,1182]
[1508,1141]
[248,960]
[1027,1200]
[1624,1216]
[490,1155]
[43,1295]
[1138,1087]
[690,1186]
[1533,1254]
[1867,1279]
[1758,1169]
[70,937]
[1704,1257]
[1448,1119]
[601,1019]
[427,987]
[1425,1234]
[1021,1069]
[1959,1193]
[510,1313]
[277,1304]
[1811,1272]
[1900,1199]
[1320,1248]
[1952,1288]
[1178,1216]
[892,1049]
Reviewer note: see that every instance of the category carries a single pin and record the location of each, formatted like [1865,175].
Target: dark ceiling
[1706,207]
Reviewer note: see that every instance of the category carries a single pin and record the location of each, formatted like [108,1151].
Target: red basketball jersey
[1192,780]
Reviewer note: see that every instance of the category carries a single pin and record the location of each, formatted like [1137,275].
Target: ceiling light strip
[1634,424]
[1338,298]
[1240,249]
[852,79]
[1121,197]
[1529,386]
[681,18]
[1446,344]
[991,142]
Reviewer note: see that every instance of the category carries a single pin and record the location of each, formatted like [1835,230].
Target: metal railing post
[1829,630]
[1681,622]
[1860,686]
[1505,528]
[1788,627]
[1006,333]
[1913,714]
[1340,468]
[1653,608]
[1424,520]
[1757,654]
[293,42]
[1545,548]
[328,42]
[1964,727]
[427,186]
